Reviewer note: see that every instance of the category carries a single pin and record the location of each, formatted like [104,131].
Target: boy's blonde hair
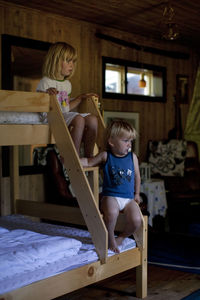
[120,127]
[56,54]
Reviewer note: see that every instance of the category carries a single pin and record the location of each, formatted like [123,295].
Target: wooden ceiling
[144,17]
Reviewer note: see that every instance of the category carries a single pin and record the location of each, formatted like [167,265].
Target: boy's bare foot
[112,245]
[119,240]
[115,243]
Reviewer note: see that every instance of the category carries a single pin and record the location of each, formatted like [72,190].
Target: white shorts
[68,116]
[122,202]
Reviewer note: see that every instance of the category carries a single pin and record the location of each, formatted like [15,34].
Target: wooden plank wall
[31,187]
[156,119]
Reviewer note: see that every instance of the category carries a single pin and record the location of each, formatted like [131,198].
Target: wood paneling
[156,119]
[133,16]
[31,188]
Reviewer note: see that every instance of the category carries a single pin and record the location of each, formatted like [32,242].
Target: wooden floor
[162,284]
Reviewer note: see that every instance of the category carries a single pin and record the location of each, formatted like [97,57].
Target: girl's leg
[76,130]
[133,221]
[90,134]
[110,210]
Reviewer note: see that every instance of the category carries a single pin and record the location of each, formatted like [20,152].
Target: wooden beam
[172,54]
[49,211]
[90,105]
[141,270]
[14,177]
[25,134]
[93,179]
[19,101]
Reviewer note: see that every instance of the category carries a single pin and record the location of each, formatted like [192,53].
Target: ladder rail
[78,179]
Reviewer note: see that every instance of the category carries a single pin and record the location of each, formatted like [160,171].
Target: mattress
[32,251]
[34,118]
[7,117]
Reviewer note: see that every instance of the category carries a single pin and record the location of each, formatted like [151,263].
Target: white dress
[64,89]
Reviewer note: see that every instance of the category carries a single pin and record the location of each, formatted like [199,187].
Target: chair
[177,162]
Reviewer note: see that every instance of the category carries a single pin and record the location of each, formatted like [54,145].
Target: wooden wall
[31,187]
[156,119]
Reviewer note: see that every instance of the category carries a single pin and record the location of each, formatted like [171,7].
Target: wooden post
[90,105]
[93,178]
[14,177]
[141,270]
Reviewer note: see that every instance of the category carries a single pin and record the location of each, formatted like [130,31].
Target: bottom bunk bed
[43,261]
[63,278]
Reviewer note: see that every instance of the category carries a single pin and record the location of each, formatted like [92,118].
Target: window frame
[125,95]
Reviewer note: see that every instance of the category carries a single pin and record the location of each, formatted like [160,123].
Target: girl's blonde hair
[120,127]
[56,54]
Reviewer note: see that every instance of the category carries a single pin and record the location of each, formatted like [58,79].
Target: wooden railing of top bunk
[57,131]
[86,192]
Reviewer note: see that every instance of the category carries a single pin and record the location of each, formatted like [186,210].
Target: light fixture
[142,81]
[171,31]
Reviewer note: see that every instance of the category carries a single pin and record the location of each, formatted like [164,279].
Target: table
[154,189]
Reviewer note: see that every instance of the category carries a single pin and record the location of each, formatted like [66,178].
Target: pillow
[167,158]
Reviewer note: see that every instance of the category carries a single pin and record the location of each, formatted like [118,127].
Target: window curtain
[192,128]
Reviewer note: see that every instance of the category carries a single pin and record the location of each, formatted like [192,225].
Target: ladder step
[90,169]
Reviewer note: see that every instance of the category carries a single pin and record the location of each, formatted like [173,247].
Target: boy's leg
[110,210]
[133,220]
[90,134]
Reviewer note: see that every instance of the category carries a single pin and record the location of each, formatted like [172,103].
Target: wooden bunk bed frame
[85,189]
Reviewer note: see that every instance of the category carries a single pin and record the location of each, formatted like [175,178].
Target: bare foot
[112,245]
[119,240]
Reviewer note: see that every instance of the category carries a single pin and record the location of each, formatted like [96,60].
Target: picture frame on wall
[131,117]
[182,88]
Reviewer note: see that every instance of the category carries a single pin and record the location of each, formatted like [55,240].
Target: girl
[121,181]
[58,67]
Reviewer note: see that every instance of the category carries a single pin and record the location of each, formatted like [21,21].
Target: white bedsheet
[9,117]
[23,250]
[60,237]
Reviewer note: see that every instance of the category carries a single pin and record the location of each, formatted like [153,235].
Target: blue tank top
[118,180]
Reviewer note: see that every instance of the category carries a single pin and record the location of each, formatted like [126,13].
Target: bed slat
[25,135]
[24,101]
[50,211]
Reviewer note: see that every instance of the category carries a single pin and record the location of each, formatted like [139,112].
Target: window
[122,80]
[115,78]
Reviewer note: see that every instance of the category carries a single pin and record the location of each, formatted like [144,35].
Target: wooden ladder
[87,199]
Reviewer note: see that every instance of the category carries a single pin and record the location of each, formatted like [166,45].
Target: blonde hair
[56,54]
[119,127]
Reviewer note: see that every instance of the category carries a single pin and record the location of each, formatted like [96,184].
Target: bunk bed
[85,187]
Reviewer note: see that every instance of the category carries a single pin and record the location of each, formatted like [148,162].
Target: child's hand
[90,95]
[137,198]
[52,91]
[87,95]
[84,161]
